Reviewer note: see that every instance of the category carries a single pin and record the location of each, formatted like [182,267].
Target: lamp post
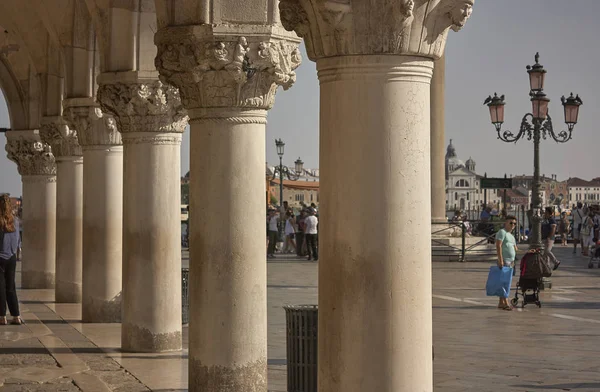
[284,171]
[535,125]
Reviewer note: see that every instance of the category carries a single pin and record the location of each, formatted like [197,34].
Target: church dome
[455,162]
[450,151]
[470,162]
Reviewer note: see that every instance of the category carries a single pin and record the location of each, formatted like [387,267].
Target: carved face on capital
[460,14]
[409,7]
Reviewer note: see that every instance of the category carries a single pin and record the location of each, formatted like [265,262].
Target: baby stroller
[595,254]
[534,266]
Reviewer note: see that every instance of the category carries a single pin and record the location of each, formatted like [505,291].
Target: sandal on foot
[508,307]
[3,321]
[17,321]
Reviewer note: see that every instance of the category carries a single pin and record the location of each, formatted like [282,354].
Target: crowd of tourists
[300,231]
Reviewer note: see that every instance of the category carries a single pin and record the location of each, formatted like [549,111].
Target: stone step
[481,252]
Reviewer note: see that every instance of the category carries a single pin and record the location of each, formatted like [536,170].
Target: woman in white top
[587,232]
[290,231]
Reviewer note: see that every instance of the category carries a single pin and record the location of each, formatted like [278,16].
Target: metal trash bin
[185,295]
[302,337]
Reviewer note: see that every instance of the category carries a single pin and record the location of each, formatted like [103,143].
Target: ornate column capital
[361,27]
[32,156]
[62,139]
[141,105]
[214,66]
[94,128]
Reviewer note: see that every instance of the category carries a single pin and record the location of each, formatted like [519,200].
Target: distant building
[303,191]
[185,179]
[554,192]
[463,190]
[587,192]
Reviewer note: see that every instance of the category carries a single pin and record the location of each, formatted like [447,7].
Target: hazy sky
[490,54]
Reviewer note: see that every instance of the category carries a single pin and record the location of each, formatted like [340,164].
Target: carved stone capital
[94,128]
[142,105]
[32,156]
[362,27]
[62,139]
[216,69]
[152,138]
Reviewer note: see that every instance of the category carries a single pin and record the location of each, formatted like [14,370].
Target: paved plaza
[477,347]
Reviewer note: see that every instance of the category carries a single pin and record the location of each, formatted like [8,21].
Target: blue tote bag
[499,281]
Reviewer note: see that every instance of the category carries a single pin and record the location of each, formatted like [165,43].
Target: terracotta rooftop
[576,181]
[308,185]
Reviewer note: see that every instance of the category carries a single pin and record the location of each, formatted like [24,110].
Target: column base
[101,311]
[249,378]
[37,280]
[138,339]
[67,292]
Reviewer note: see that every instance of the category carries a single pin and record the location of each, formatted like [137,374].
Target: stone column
[69,207]
[438,148]
[234,85]
[375,62]
[151,120]
[38,172]
[102,210]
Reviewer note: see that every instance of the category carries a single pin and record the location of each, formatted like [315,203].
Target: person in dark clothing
[10,241]
[300,233]
[310,233]
[548,235]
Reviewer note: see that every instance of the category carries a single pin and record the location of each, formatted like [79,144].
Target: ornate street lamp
[298,166]
[284,171]
[535,125]
[537,75]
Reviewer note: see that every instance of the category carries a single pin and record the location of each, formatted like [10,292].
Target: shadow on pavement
[564,387]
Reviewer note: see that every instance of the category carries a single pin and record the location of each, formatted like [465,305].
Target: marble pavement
[478,347]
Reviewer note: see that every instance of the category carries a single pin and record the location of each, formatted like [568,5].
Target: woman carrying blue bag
[500,276]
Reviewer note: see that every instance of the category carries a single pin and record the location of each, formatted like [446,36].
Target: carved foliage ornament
[93,127]
[143,107]
[356,27]
[33,157]
[234,73]
[61,138]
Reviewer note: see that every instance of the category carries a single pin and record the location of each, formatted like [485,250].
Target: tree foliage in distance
[185,193]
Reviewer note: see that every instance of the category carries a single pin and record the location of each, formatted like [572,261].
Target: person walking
[10,241]
[310,232]
[273,232]
[290,231]
[587,232]
[578,215]
[548,235]
[563,228]
[506,249]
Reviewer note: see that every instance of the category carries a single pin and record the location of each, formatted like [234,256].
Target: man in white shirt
[310,233]
[577,215]
[272,232]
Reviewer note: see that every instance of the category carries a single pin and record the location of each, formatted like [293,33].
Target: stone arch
[37,62]
[14,97]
